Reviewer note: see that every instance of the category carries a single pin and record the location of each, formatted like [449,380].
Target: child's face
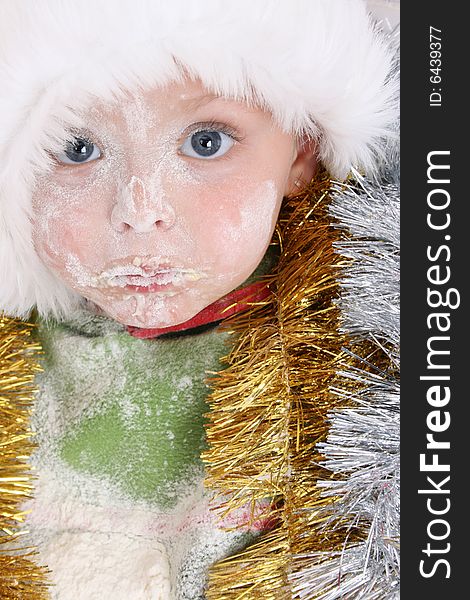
[165,203]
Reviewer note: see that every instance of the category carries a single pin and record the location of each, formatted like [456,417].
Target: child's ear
[304,166]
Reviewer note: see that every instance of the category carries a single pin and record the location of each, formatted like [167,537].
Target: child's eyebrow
[194,102]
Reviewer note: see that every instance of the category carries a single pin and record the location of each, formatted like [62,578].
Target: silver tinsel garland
[362,448]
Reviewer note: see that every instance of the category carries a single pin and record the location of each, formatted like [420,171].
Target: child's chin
[149,321]
[150,311]
[144,323]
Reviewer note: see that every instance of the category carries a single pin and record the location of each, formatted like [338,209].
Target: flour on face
[152,236]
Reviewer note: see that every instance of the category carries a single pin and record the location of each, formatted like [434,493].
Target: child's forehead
[161,104]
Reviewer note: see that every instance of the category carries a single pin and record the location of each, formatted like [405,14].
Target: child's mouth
[160,282]
[140,276]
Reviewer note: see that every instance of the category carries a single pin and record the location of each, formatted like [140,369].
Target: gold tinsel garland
[20,577]
[269,406]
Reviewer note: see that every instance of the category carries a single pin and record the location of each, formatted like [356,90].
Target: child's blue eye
[207,144]
[77,151]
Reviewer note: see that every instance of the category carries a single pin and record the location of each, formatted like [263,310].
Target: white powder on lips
[124,275]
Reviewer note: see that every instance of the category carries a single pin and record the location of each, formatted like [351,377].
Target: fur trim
[387,12]
[319,66]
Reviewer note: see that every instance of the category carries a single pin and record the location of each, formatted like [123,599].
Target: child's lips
[145,277]
[160,282]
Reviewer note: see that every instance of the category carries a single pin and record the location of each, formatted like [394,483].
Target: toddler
[147,149]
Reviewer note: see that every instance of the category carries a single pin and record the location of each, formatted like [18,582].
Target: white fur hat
[319,66]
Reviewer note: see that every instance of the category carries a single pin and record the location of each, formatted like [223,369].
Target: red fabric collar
[236,301]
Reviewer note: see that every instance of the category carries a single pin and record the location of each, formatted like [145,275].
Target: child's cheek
[239,226]
[68,233]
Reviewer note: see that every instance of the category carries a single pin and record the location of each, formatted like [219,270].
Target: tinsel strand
[20,577]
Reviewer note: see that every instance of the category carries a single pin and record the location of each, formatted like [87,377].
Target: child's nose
[135,209]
